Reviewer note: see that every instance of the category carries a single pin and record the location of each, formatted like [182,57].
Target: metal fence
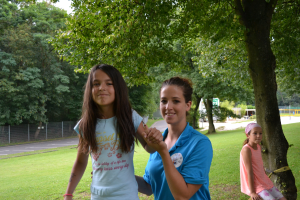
[34,132]
[290,112]
[289,107]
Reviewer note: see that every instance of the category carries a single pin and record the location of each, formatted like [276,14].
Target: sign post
[216,102]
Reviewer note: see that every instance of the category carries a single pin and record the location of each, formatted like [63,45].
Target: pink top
[261,180]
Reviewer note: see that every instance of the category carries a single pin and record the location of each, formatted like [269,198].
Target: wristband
[67,195]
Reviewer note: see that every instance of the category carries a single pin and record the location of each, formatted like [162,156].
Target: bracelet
[68,195]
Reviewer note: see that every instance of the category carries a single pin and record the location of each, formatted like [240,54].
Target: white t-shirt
[113,171]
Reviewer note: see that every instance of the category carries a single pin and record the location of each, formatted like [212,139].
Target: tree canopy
[34,80]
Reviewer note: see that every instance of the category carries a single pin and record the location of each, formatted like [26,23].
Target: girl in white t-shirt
[107,131]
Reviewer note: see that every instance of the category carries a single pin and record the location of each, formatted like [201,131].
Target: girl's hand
[255,196]
[68,198]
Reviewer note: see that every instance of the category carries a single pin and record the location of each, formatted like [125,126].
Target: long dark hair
[121,107]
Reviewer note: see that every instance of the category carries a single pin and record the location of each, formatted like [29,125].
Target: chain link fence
[35,132]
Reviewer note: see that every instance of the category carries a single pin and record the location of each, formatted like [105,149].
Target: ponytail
[246,141]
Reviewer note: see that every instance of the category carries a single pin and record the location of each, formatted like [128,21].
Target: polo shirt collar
[183,138]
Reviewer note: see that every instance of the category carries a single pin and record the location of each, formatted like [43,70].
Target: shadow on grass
[227,192]
[217,192]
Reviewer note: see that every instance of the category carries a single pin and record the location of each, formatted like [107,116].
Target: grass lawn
[152,121]
[45,175]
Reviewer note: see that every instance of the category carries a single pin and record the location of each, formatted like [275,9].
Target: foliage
[227,104]
[286,45]
[286,99]
[34,80]
[222,113]
[253,117]
[243,109]
[194,115]
[142,100]
[250,107]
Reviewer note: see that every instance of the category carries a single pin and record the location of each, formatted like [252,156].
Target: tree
[34,80]
[135,35]
[204,86]
[142,99]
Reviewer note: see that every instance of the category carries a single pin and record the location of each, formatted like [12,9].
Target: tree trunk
[37,132]
[208,106]
[256,15]
[195,121]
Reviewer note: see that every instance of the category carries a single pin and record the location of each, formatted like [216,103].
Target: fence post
[9,134]
[62,129]
[28,133]
[46,130]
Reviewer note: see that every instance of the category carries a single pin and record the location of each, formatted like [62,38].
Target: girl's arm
[246,153]
[143,186]
[152,133]
[77,172]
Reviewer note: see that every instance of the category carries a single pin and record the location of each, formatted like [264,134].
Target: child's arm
[153,135]
[246,153]
[77,172]
[143,186]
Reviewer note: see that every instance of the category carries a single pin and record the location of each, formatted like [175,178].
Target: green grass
[45,175]
[288,114]
[36,141]
[152,121]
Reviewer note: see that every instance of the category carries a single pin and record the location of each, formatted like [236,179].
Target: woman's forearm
[178,186]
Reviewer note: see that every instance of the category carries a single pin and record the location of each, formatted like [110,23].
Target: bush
[250,107]
[243,109]
[253,117]
[222,113]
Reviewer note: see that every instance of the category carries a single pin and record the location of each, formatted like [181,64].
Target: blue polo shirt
[192,155]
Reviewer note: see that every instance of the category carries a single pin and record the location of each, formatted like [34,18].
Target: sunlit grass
[45,175]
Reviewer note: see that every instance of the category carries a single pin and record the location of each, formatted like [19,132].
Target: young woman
[180,167]
[108,130]
[254,181]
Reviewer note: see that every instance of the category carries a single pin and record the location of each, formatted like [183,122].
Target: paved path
[160,125]
[230,125]
[37,146]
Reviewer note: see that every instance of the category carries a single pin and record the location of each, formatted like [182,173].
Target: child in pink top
[254,181]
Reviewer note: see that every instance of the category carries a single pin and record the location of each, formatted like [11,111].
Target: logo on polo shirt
[177,159]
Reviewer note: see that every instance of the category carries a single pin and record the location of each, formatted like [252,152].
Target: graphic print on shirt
[177,159]
[109,148]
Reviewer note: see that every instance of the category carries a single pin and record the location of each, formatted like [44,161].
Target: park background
[45,54]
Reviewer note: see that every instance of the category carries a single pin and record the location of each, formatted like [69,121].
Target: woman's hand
[255,196]
[154,139]
[153,135]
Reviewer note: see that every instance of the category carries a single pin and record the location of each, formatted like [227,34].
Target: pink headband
[250,126]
